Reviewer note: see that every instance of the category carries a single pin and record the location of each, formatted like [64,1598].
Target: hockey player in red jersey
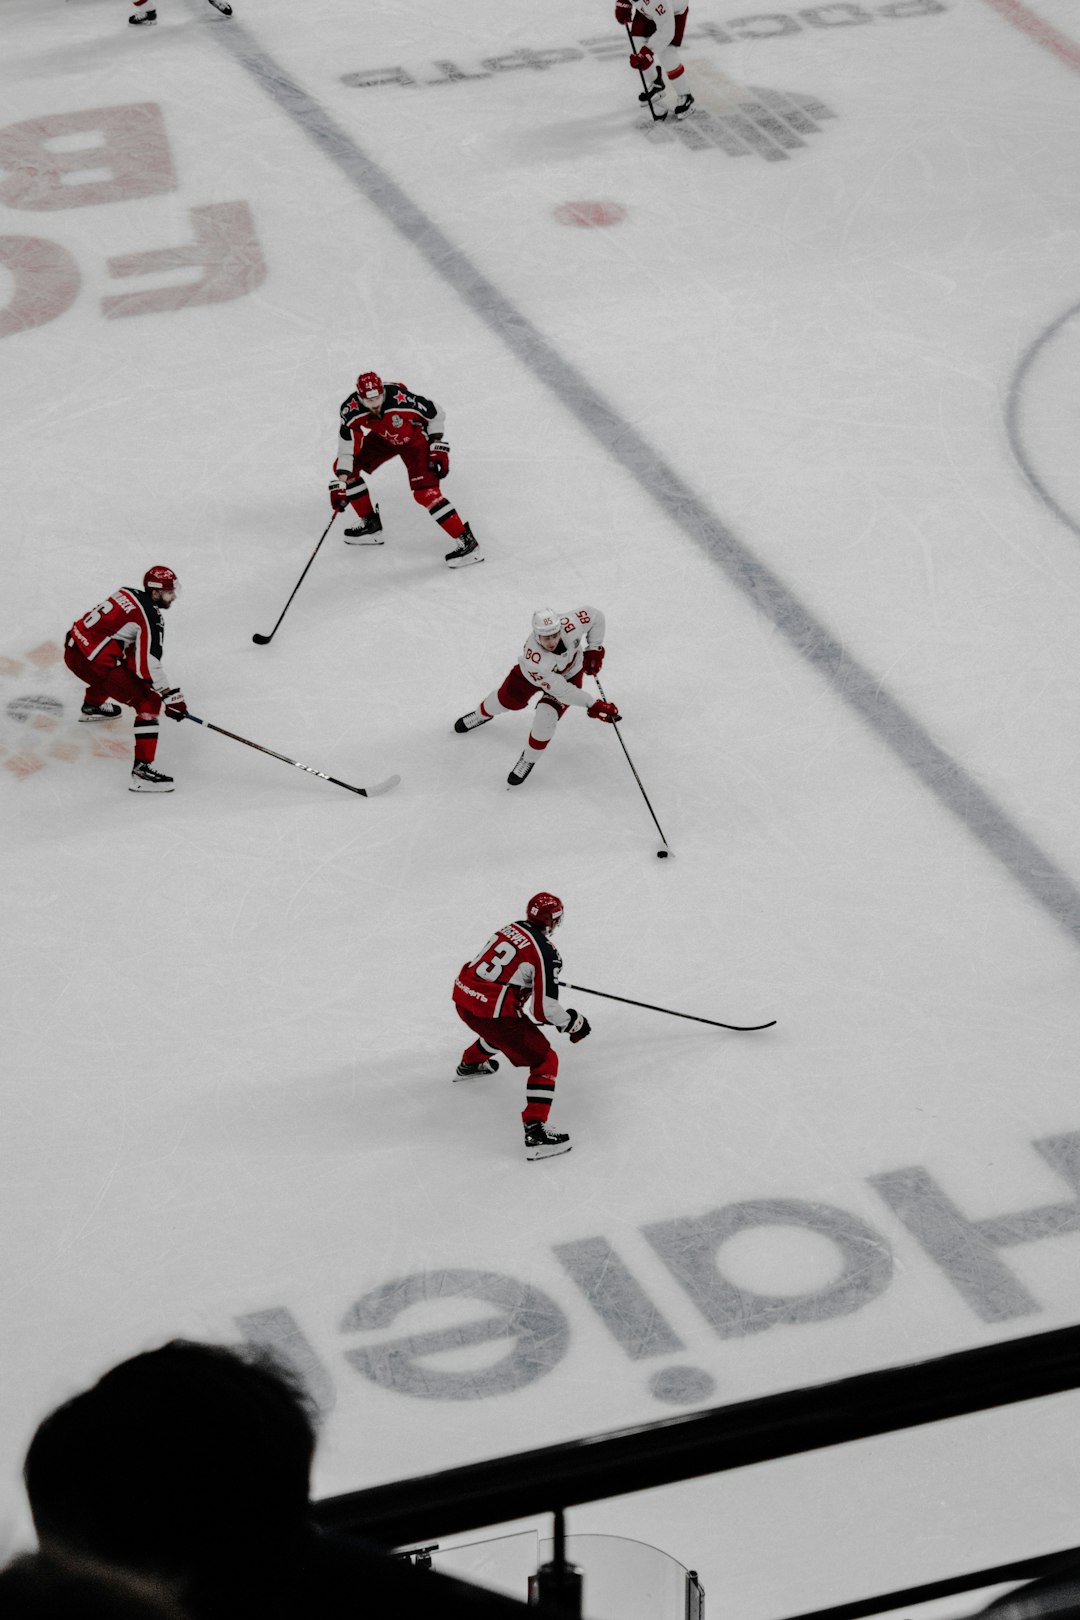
[116,649]
[562,647]
[657,27]
[503,994]
[142,13]
[378,422]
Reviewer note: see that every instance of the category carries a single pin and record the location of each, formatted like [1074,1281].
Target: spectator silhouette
[35,1587]
[191,1464]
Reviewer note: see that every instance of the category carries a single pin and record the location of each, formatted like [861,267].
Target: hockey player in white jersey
[657,28]
[562,647]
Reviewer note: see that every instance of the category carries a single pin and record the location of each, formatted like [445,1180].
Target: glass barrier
[623,1579]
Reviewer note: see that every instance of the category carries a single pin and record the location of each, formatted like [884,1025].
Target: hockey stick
[262,641]
[644,86]
[365,793]
[713,1021]
[661,854]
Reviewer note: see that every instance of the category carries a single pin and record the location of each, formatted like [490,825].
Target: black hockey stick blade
[715,1022]
[264,641]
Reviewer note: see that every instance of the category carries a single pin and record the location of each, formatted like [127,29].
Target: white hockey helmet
[546,622]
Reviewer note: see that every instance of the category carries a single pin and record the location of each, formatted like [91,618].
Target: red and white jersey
[664,17]
[516,972]
[129,617]
[405,419]
[554,671]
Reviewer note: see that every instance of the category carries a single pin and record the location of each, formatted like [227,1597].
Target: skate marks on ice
[742,120]
[850,682]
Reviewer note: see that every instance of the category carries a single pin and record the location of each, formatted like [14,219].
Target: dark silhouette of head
[36,1587]
[185,1461]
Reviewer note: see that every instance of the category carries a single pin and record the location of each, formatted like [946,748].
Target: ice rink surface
[790,392]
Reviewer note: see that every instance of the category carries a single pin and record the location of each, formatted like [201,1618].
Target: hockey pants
[526,1047]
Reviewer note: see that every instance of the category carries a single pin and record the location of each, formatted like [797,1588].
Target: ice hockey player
[658,27]
[561,648]
[378,422]
[519,969]
[143,13]
[116,649]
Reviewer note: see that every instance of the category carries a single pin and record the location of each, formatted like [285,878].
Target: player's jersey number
[494,962]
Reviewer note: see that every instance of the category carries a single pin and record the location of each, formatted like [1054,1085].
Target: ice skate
[468,551]
[684,105]
[100,711]
[540,1143]
[223,6]
[520,771]
[466,1071]
[470,721]
[142,17]
[365,533]
[144,779]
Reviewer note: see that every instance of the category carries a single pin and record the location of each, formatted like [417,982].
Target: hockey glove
[623,12]
[604,711]
[578,1027]
[642,59]
[339,499]
[592,658]
[175,703]
[439,458]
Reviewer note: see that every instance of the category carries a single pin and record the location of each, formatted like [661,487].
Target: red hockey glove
[578,1027]
[593,658]
[339,500]
[604,711]
[642,59]
[439,458]
[175,703]
[623,12]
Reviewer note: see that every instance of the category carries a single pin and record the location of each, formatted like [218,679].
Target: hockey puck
[662,854]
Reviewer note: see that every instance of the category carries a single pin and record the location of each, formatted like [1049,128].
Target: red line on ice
[1042,32]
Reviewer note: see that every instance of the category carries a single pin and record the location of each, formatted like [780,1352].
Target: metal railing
[598,1467]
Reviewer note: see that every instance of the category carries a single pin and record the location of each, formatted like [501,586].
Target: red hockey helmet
[160,578]
[369,382]
[545,909]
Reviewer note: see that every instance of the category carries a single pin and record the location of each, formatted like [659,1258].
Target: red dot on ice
[590,213]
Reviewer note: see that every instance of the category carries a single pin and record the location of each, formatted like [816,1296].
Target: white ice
[831,510]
